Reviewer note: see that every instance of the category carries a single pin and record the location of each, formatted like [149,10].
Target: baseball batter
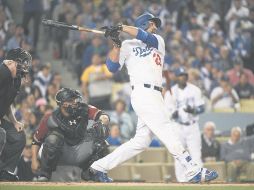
[187,105]
[144,57]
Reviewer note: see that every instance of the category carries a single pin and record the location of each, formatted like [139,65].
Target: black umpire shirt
[9,88]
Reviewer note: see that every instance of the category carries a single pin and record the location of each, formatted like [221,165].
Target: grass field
[122,186]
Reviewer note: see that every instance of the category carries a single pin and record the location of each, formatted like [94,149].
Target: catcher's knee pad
[54,141]
[53,146]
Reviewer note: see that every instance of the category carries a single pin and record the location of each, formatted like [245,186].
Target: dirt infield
[124,184]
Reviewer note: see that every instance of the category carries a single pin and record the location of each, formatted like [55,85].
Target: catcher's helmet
[23,59]
[68,94]
[143,21]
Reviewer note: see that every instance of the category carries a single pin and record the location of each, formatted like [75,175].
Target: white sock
[191,167]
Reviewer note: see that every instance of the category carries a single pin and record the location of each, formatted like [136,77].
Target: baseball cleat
[204,176]
[41,178]
[99,176]
[8,176]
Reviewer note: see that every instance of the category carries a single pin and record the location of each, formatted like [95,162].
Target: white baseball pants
[191,140]
[153,118]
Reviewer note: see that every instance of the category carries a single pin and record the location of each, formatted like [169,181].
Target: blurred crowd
[213,40]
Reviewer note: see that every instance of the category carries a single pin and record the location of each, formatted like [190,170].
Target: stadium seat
[121,173]
[153,155]
[149,172]
[224,110]
[247,109]
[170,158]
[168,172]
[222,139]
[247,105]
[220,167]
[247,102]
[131,160]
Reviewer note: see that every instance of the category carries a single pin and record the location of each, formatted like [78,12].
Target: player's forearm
[114,54]
[131,30]
[112,60]
[11,115]
[146,37]
[35,150]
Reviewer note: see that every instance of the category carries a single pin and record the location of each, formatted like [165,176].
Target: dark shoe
[99,176]
[41,178]
[86,175]
[8,176]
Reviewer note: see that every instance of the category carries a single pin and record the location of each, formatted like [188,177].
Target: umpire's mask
[23,59]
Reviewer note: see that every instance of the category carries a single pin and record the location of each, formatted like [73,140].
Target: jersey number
[157,59]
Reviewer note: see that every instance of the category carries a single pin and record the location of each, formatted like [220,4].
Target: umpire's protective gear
[143,21]
[15,143]
[23,59]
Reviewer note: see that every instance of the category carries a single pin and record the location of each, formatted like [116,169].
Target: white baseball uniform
[188,127]
[144,66]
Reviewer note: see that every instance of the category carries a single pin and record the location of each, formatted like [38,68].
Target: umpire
[12,138]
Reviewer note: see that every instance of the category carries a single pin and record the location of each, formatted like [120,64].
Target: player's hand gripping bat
[70,27]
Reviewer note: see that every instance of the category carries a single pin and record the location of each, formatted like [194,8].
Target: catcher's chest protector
[74,130]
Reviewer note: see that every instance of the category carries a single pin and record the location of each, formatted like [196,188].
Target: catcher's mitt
[113,33]
[100,130]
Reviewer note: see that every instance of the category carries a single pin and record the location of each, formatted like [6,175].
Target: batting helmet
[143,21]
[180,71]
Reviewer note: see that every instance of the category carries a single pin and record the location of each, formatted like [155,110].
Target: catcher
[65,137]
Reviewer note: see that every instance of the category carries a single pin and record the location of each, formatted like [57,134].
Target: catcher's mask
[71,100]
[23,60]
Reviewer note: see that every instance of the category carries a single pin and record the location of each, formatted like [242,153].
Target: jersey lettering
[142,52]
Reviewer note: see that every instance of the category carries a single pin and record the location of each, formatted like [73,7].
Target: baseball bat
[70,27]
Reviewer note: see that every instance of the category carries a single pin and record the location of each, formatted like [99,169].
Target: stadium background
[207,37]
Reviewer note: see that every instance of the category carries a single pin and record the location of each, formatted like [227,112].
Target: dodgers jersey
[144,63]
[191,95]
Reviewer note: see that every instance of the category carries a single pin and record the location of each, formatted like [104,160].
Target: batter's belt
[150,86]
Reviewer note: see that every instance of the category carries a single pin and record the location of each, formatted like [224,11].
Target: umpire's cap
[143,21]
[180,71]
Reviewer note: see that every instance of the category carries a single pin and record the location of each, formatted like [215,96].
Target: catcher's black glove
[190,110]
[100,130]
[113,33]
[175,115]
